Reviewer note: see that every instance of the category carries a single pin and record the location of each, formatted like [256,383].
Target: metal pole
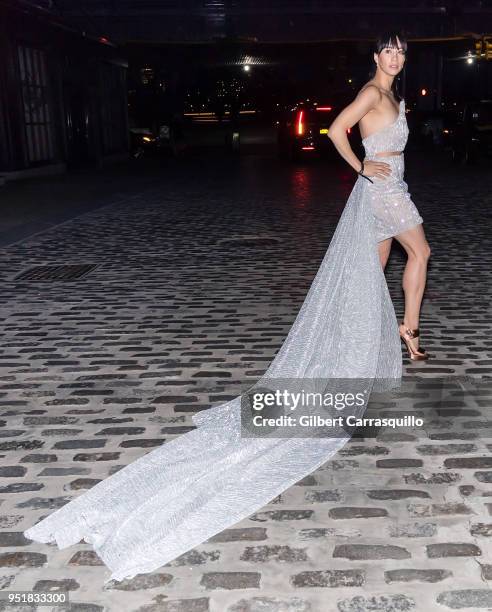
[439,80]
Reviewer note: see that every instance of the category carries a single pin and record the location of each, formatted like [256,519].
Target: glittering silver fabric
[202,482]
[393,208]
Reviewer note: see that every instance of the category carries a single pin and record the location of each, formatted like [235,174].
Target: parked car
[143,141]
[302,130]
[165,139]
[470,134]
[426,129]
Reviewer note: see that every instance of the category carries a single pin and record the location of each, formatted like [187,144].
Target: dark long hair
[388,39]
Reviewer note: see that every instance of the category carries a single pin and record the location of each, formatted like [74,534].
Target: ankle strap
[413,333]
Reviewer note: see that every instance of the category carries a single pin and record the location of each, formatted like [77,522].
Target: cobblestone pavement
[197,283]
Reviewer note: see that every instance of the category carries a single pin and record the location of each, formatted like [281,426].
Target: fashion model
[187,490]
[383,127]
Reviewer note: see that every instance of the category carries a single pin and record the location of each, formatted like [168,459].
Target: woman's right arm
[366,100]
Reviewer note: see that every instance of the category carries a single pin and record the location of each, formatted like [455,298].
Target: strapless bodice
[393,137]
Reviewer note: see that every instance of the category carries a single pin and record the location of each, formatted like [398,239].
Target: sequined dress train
[180,494]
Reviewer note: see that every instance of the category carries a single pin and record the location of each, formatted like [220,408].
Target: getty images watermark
[360,407]
[302,401]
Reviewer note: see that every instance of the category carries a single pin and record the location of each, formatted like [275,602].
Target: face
[391,59]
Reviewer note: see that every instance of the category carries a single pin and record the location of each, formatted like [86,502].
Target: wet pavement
[200,268]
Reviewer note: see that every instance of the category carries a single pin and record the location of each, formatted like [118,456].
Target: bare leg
[384,248]
[415,275]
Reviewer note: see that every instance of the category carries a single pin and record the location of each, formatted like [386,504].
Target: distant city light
[469,60]
[423,92]
[246,67]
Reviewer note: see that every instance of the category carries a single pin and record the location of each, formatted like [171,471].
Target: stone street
[199,272]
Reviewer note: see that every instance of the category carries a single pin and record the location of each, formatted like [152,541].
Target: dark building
[63,95]
[330,38]
[273,20]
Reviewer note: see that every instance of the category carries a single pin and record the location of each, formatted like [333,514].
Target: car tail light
[323,108]
[300,123]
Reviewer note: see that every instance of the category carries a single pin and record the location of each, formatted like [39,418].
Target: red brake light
[300,124]
[323,108]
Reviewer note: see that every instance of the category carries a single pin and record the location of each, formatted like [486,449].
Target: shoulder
[369,94]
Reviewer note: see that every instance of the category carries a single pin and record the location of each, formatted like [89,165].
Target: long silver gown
[187,490]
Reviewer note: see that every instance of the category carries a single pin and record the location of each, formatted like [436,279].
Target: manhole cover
[49,273]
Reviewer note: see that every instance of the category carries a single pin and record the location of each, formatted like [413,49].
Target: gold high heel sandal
[407,336]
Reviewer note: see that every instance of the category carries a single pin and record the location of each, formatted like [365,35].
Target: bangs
[390,40]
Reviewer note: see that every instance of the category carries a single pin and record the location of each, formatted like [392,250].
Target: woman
[374,108]
[345,337]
